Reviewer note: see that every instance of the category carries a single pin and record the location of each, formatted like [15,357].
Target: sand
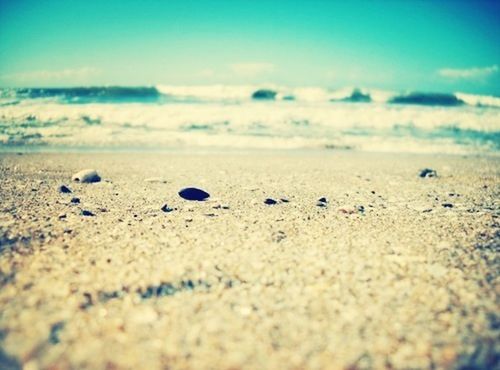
[387,275]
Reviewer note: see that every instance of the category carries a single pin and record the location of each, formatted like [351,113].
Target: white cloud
[52,76]
[473,73]
[251,69]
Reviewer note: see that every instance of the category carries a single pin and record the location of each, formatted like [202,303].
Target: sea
[246,118]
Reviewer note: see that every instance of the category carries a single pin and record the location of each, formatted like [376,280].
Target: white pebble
[86,176]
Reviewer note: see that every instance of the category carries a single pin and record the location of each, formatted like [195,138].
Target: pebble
[86,213]
[428,172]
[55,331]
[322,202]
[166,208]
[221,206]
[75,200]
[86,176]
[64,189]
[447,205]
[347,210]
[193,194]
[270,201]
[155,180]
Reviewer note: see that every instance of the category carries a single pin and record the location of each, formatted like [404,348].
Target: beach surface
[394,270]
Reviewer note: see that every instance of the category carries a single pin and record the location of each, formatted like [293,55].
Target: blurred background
[412,76]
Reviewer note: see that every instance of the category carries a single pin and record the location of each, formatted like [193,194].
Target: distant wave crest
[229,94]
[432,99]
[111,93]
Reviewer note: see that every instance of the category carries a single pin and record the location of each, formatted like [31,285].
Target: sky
[435,46]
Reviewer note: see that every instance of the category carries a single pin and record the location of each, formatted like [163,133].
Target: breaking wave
[164,94]
[445,100]
[312,120]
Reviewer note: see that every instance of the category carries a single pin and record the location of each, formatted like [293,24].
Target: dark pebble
[428,172]
[447,205]
[86,213]
[270,201]
[323,200]
[193,194]
[54,332]
[321,204]
[64,189]
[284,200]
[75,200]
[166,208]
[107,296]
[219,206]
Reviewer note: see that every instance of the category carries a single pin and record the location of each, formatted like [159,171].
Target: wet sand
[396,271]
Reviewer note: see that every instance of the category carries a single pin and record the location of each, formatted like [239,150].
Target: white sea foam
[306,123]
[209,93]
[479,100]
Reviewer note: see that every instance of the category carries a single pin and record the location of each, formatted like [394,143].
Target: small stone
[64,189]
[447,205]
[270,201]
[284,200]
[193,194]
[347,210]
[86,176]
[75,200]
[322,202]
[155,180]
[221,206]
[428,172]
[166,208]
[61,216]
[86,213]
[55,331]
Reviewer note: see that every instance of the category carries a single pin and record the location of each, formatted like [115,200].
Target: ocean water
[247,117]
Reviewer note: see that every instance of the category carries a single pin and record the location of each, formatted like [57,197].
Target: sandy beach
[391,271]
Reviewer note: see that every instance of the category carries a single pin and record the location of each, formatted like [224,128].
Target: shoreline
[385,274]
[193,151]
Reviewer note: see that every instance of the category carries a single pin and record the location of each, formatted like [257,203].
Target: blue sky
[419,45]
